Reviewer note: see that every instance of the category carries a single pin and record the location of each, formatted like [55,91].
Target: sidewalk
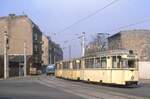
[22,77]
[144,81]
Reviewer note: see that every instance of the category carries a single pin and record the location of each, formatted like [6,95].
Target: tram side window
[119,61]
[116,62]
[89,63]
[86,63]
[78,64]
[57,66]
[103,62]
[60,66]
[74,65]
[125,63]
[97,63]
[66,65]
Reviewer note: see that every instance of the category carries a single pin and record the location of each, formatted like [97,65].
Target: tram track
[84,90]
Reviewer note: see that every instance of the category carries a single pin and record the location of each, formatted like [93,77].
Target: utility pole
[6,70]
[25,60]
[83,44]
[69,51]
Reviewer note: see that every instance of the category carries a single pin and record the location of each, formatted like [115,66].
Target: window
[35,36]
[124,63]
[89,63]
[97,63]
[66,65]
[119,62]
[131,64]
[58,66]
[74,65]
[36,47]
[36,59]
[78,63]
[116,61]
[103,62]
[86,63]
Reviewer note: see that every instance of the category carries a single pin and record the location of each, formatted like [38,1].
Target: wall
[19,29]
[144,68]
[45,50]
[139,41]
[114,42]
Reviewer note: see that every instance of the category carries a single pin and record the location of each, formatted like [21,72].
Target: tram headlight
[132,77]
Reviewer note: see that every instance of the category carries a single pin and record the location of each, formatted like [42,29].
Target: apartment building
[22,35]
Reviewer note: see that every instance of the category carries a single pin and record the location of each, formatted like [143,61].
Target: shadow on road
[5,97]
[115,86]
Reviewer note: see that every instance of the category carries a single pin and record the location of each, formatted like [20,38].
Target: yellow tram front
[130,69]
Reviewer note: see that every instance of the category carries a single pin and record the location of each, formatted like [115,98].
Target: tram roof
[72,59]
[111,52]
[104,53]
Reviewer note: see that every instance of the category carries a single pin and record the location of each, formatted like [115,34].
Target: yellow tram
[111,67]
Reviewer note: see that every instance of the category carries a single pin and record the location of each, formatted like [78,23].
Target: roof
[130,31]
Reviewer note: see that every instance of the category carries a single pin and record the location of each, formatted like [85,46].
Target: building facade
[55,51]
[51,52]
[45,50]
[23,35]
[139,42]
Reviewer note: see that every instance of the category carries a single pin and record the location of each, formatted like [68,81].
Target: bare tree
[98,44]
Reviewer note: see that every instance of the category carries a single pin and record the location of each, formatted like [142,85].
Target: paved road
[31,90]
[43,87]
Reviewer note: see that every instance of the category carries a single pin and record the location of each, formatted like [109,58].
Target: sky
[52,16]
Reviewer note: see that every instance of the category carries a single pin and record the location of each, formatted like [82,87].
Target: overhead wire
[88,16]
[131,24]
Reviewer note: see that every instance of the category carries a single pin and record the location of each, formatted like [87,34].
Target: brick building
[20,30]
[137,40]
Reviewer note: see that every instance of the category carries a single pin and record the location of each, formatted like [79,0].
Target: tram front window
[131,64]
